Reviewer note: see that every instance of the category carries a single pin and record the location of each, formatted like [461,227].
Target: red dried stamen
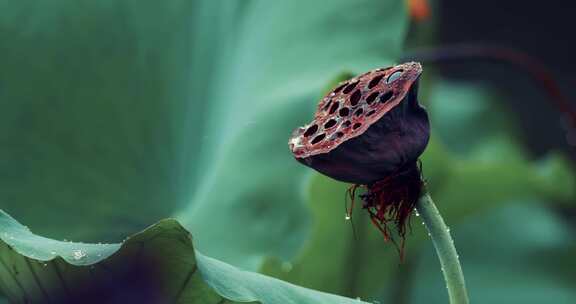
[392,201]
[351,192]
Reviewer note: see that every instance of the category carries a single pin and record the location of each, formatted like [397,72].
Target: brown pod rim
[352,107]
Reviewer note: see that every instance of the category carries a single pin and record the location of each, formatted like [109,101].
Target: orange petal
[419,9]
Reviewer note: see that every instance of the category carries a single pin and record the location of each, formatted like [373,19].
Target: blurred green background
[116,114]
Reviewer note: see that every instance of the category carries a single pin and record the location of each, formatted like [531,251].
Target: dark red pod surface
[366,128]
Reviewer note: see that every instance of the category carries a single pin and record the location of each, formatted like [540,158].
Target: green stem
[445,249]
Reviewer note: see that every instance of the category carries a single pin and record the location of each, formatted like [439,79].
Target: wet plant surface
[116,116]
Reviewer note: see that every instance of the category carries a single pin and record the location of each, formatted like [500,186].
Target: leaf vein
[37,279]
[185,282]
[13,276]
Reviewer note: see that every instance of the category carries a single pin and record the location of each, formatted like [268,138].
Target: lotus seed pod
[367,128]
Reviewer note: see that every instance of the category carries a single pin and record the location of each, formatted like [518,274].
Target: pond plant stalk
[370,131]
[445,249]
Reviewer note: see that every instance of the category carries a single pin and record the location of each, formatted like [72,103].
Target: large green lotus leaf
[91,127]
[363,265]
[157,265]
[516,254]
[173,108]
[250,198]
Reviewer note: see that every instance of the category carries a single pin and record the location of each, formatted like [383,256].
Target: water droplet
[416,212]
[347,216]
[78,254]
[394,76]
